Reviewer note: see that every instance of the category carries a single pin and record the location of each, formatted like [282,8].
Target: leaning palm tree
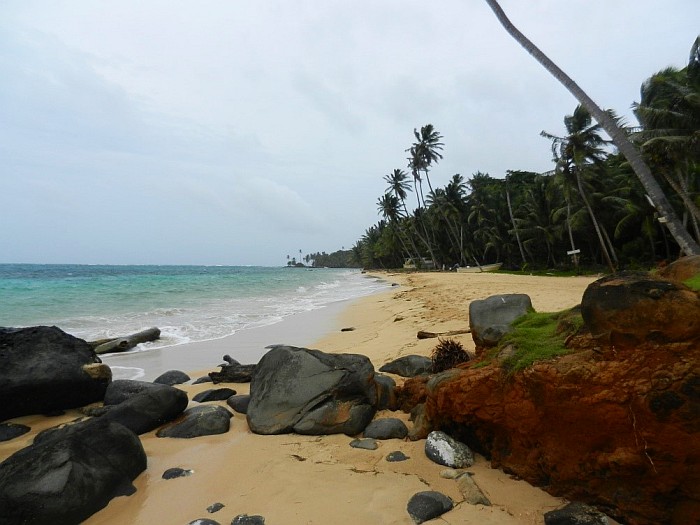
[618,136]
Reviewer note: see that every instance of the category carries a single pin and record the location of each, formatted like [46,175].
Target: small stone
[365,443]
[203,521]
[348,329]
[449,473]
[12,430]
[427,505]
[177,472]
[244,519]
[203,379]
[470,490]
[443,450]
[215,507]
[397,455]
[172,377]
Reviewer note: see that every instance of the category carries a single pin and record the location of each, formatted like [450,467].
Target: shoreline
[298,479]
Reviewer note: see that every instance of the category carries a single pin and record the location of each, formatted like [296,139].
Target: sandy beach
[293,479]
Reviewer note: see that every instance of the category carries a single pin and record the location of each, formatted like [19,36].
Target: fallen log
[122,344]
[422,334]
[233,372]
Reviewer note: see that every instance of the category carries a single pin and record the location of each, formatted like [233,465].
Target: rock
[450,473]
[205,420]
[43,369]
[172,377]
[629,308]
[576,514]
[408,366]
[546,425]
[12,430]
[177,472]
[470,490]
[412,393]
[421,424]
[68,479]
[57,431]
[233,372]
[427,505]
[443,450]
[203,521]
[142,406]
[365,443]
[239,403]
[203,379]
[215,394]
[311,392]
[491,318]
[244,519]
[682,269]
[386,428]
[386,392]
[215,507]
[395,456]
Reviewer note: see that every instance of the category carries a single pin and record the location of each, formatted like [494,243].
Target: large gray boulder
[205,420]
[44,369]
[311,392]
[70,475]
[142,406]
[491,318]
[408,366]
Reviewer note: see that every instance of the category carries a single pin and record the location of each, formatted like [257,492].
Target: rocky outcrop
[617,426]
[43,369]
[70,475]
[311,392]
[627,309]
[682,269]
[491,318]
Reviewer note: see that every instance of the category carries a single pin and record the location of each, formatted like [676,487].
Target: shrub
[448,354]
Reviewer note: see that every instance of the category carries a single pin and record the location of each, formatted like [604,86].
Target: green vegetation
[693,283]
[537,337]
[591,212]
[447,354]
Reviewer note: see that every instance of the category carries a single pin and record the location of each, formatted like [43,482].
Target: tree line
[596,208]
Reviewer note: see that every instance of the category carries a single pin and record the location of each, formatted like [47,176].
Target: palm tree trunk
[571,235]
[515,228]
[619,138]
[606,254]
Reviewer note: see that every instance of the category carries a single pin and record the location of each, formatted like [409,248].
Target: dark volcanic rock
[630,308]
[176,472]
[239,403]
[576,514]
[67,480]
[43,369]
[386,428]
[491,318]
[408,366]
[215,394]
[215,507]
[142,406]
[12,430]
[386,392]
[203,521]
[395,456]
[244,519]
[427,505]
[172,377]
[365,443]
[205,420]
[311,392]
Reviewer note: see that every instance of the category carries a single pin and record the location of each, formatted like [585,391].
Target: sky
[236,133]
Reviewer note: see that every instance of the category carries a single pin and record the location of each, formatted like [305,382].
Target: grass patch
[693,283]
[538,337]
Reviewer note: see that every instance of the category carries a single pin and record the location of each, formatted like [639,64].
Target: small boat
[478,269]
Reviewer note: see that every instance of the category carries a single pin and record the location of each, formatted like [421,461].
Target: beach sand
[292,479]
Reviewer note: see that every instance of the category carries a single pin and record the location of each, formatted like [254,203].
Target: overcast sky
[230,132]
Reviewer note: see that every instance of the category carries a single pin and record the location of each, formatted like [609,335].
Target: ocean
[187,303]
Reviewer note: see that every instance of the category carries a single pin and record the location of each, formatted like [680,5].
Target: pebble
[176,472]
[397,455]
[365,443]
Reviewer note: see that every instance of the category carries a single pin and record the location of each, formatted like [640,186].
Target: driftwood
[122,344]
[233,372]
[427,335]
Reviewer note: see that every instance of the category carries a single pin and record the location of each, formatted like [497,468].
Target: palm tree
[618,136]
[576,154]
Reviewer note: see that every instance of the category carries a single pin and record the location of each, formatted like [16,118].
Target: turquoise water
[188,303]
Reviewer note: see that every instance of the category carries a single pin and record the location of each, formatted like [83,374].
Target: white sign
[573,252]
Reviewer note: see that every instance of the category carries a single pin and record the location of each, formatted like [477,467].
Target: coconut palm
[618,136]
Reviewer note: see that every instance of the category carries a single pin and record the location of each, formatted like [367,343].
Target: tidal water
[188,303]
